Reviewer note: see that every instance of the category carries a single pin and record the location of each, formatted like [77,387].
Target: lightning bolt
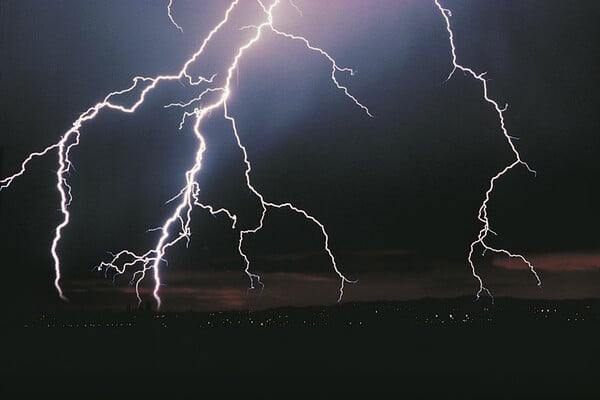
[518,161]
[170,14]
[188,197]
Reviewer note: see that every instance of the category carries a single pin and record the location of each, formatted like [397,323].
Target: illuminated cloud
[568,261]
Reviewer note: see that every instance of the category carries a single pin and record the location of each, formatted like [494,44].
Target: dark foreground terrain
[454,348]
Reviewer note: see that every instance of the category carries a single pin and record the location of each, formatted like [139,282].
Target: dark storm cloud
[214,291]
[571,261]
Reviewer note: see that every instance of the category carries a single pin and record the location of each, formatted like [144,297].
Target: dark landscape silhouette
[535,346]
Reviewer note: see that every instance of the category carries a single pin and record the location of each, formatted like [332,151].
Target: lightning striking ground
[518,161]
[176,227]
[152,260]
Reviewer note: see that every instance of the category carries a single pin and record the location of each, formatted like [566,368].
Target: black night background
[398,194]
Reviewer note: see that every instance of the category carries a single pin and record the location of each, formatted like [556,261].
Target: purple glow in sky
[373,147]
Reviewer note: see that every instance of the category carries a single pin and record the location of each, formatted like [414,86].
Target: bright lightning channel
[188,197]
[170,14]
[483,210]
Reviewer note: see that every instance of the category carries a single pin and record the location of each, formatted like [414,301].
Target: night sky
[398,192]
